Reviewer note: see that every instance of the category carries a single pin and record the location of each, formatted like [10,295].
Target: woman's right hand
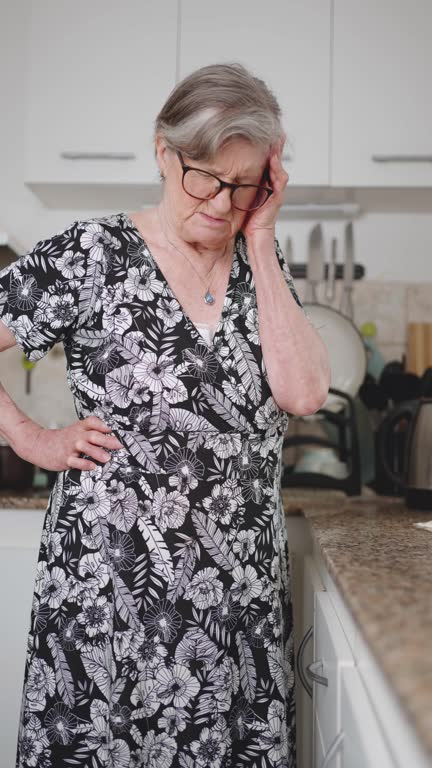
[60,449]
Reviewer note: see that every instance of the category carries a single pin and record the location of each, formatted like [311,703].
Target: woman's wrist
[25,438]
[19,431]
[260,245]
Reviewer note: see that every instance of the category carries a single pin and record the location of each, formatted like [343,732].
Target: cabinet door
[98,75]
[333,652]
[287,44]
[364,745]
[382,109]
[305,738]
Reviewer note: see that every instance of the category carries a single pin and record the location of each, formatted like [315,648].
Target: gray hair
[214,105]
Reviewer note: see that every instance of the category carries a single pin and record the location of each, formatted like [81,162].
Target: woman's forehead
[239,158]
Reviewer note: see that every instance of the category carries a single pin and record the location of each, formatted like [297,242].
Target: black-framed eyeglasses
[203,185]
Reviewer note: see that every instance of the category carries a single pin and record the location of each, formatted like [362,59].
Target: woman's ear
[161,150]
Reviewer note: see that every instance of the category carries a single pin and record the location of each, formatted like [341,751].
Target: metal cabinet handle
[98,155]
[402,158]
[311,670]
[299,664]
[333,749]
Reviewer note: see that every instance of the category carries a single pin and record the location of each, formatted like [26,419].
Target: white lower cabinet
[363,745]
[332,654]
[346,730]
[347,713]
[312,585]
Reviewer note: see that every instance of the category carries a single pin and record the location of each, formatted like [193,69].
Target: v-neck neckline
[193,330]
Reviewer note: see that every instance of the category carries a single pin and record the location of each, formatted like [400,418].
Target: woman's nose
[222,201]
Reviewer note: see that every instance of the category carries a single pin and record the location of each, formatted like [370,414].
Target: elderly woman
[161,629]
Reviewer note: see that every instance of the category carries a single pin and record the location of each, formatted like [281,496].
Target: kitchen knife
[346,305]
[330,290]
[315,271]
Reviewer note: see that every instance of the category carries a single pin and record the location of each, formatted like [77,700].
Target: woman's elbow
[304,403]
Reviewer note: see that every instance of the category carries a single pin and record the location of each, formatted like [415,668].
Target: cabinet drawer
[332,650]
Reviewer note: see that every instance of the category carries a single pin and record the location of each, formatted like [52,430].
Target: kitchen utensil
[289,255]
[299,236]
[15,473]
[393,366]
[346,305]
[28,367]
[333,236]
[426,383]
[365,432]
[347,352]
[376,362]
[330,291]
[419,347]
[415,479]
[335,460]
[400,387]
[372,394]
[315,268]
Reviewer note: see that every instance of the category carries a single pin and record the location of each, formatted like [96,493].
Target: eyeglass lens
[205,186]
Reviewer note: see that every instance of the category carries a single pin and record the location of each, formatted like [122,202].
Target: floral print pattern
[161,627]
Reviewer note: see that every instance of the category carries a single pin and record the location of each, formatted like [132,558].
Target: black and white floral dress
[161,629]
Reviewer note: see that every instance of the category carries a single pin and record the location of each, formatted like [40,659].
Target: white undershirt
[206,331]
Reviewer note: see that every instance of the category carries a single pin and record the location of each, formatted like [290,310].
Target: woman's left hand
[264,218]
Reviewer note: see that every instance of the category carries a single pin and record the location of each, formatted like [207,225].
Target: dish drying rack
[346,445]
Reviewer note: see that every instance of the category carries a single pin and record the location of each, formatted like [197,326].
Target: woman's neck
[208,254]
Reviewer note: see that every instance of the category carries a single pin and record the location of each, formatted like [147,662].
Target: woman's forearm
[16,428]
[294,354]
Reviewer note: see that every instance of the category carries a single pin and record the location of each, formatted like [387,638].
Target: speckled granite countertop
[25,500]
[382,566]
[295,500]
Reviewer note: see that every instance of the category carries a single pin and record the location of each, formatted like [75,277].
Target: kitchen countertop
[295,500]
[382,566]
[25,500]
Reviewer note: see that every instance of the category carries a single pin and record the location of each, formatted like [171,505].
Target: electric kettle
[416,478]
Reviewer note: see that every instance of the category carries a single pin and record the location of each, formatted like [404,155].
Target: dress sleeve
[287,274]
[40,292]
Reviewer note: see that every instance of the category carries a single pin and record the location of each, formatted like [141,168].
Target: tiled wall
[50,401]
[391,305]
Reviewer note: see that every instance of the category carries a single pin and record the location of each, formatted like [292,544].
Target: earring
[161,176]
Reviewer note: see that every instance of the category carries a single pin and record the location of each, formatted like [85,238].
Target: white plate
[347,352]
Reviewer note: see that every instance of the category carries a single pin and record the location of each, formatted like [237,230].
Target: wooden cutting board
[419,347]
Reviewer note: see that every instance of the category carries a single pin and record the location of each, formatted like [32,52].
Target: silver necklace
[207,281]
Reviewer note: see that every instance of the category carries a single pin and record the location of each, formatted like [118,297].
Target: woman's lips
[213,219]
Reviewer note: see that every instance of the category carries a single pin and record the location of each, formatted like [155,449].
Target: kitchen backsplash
[390,305]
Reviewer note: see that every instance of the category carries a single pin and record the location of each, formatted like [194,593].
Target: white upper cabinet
[99,72]
[286,43]
[382,104]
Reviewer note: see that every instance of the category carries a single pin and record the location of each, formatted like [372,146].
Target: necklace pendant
[209,298]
